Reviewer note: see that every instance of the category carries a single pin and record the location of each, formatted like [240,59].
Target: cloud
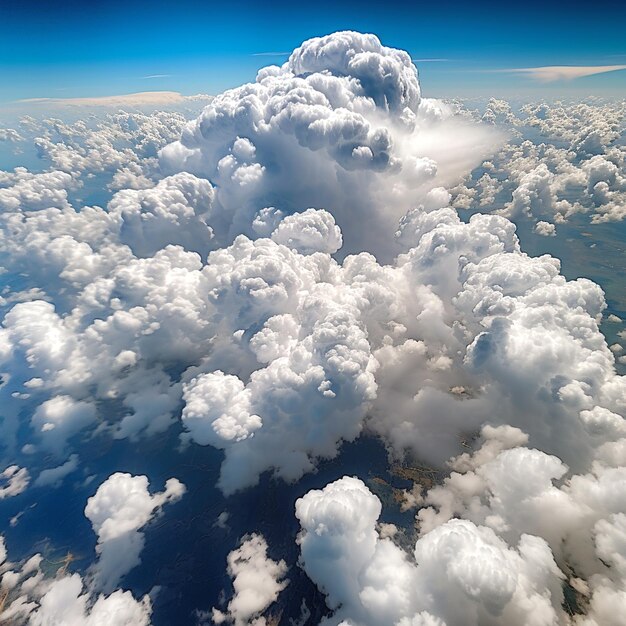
[545,229]
[288,270]
[34,597]
[257,581]
[175,211]
[551,73]
[150,76]
[461,573]
[578,167]
[10,135]
[120,507]
[348,111]
[13,481]
[144,98]
[580,519]
[54,476]
[64,603]
[283,350]
[60,418]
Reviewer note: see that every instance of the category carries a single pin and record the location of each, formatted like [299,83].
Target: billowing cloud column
[463,574]
[340,126]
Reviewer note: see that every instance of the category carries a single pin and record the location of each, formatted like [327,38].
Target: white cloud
[65,604]
[225,292]
[551,73]
[347,111]
[61,417]
[308,232]
[144,98]
[54,476]
[462,573]
[120,507]
[257,581]
[31,596]
[13,481]
[545,229]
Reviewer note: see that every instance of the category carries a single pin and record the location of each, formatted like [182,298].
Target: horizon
[476,50]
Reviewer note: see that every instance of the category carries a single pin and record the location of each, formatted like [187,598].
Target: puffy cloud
[545,229]
[175,211]
[217,408]
[10,135]
[30,192]
[308,232]
[576,165]
[121,506]
[515,490]
[217,290]
[347,111]
[463,574]
[61,417]
[257,581]
[13,481]
[33,597]
[64,603]
[308,346]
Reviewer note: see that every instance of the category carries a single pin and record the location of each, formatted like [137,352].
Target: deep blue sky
[71,49]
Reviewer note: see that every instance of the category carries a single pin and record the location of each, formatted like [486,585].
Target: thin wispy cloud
[156,76]
[132,99]
[552,73]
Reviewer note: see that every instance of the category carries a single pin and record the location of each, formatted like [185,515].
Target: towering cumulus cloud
[285,276]
[341,126]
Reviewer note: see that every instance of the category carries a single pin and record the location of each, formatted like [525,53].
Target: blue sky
[73,49]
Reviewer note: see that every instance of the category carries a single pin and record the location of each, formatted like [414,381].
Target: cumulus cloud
[579,518]
[57,419]
[348,112]
[545,229]
[121,506]
[13,481]
[308,232]
[63,603]
[462,573]
[576,165]
[290,269]
[31,596]
[285,350]
[175,211]
[257,581]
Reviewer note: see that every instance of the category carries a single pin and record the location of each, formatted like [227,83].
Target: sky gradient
[77,50]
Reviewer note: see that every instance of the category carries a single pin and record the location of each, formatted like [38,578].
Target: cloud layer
[292,268]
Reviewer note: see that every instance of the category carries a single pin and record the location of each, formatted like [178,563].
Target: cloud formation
[551,73]
[290,269]
[31,596]
[257,581]
[144,98]
[120,507]
[462,574]
[348,112]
